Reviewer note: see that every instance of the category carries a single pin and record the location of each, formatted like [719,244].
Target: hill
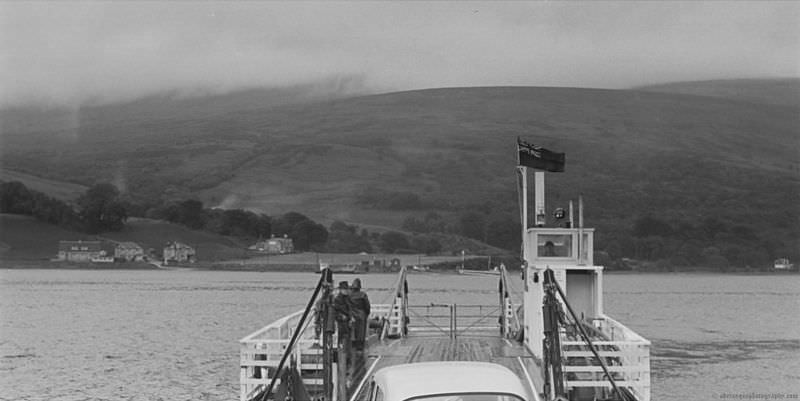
[155,233]
[785,92]
[25,238]
[631,152]
[61,190]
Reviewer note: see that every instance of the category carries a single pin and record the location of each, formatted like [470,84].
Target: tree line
[102,208]
[99,209]
[717,242]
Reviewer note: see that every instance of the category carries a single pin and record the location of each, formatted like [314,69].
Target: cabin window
[554,245]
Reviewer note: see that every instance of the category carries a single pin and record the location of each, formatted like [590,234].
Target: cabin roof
[401,382]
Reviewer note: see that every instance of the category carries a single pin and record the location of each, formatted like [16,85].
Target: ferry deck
[582,355]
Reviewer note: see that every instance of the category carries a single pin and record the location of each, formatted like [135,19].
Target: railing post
[454,314]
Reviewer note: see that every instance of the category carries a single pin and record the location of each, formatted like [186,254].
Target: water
[172,335]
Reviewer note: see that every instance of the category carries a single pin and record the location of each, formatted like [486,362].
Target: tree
[425,244]
[101,210]
[393,241]
[308,235]
[473,225]
[342,237]
[650,226]
[191,214]
[15,198]
[712,257]
[284,224]
[503,232]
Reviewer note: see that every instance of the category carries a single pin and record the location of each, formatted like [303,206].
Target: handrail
[272,326]
[550,279]
[400,294]
[506,303]
[295,335]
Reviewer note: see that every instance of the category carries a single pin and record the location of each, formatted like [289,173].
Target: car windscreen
[468,397]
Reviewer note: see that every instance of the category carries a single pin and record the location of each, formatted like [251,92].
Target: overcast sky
[63,53]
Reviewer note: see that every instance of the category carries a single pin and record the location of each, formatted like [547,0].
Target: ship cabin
[568,253]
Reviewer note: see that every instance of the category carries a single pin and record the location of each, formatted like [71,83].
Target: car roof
[401,382]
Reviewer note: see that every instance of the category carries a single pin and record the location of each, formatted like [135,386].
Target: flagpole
[540,218]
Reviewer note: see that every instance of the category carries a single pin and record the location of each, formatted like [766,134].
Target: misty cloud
[73,53]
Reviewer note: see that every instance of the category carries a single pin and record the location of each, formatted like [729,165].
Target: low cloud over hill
[630,152]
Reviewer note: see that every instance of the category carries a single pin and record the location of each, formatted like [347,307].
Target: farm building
[128,252]
[177,252]
[275,245]
[84,251]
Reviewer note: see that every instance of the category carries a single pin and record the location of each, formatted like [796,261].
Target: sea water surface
[173,335]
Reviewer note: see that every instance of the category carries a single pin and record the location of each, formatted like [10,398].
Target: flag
[530,155]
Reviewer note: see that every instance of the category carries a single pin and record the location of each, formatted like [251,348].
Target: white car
[446,381]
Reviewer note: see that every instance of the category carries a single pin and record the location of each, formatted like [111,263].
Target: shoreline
[28,264]
[25,264]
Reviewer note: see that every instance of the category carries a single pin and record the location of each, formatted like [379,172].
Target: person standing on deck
[360,305]
[344,314]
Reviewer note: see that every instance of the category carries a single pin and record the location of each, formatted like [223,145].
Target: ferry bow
[560,345]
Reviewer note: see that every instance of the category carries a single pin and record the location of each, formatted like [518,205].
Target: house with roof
[84,251]
[128,252]
[178,252]
[274,245]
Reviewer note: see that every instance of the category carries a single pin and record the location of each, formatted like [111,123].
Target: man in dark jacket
[360,308]
[343,312]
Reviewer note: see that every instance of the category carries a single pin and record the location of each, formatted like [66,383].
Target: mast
[541,215]
[523,204]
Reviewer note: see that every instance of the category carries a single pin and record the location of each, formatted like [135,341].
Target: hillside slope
[631,152]
[61,190]
[785,92]
[25,238]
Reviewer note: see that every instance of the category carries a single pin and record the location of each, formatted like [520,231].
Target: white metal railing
[626,354]
[261,351]
[395,313]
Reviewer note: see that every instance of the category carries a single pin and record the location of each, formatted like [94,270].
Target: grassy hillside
[785,92]
[154,234]
[24,238]
[58,189]
[631,152]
